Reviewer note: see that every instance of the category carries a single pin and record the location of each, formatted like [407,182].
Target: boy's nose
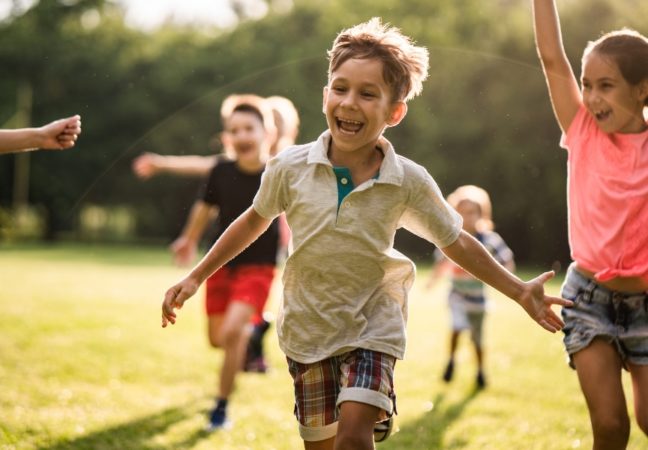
[349,100]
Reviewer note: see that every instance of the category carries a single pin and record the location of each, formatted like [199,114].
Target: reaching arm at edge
[472,256]
[563,87]
[57,135]
[237,237]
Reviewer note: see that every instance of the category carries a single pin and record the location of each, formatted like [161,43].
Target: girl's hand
[175,299]
[538,305]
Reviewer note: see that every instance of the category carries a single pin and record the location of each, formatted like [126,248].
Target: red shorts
[247,283]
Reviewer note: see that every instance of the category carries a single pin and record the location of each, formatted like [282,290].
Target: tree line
[484,116]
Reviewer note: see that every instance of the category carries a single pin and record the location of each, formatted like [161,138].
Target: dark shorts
[360,375]
[616,317]
[247,283]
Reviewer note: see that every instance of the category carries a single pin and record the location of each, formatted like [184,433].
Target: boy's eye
[368,94]
[338,89]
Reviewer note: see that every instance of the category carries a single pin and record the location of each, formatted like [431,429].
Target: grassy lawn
[84,364]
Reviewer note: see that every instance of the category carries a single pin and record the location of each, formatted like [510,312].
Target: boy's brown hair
[405,65]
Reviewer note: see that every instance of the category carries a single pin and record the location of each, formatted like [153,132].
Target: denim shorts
[363,376]
[616,317]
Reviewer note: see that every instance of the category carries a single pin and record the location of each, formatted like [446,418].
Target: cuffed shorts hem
[313,434]
[366,396]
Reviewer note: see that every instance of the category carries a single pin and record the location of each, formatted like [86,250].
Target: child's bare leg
[355,427]
[214,323]
[326,444]
[640,389]
[479,354]
[599,372]
[233,337]
[454,341]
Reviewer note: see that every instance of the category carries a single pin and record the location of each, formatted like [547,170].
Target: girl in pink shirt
[606,136]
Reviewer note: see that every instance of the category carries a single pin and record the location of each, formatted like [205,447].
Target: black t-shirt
[232,191]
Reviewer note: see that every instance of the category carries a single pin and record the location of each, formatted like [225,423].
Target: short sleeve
[579,127]
[498,248]
[270,199]
[427,214]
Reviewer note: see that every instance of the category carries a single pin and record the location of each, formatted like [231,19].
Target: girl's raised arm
[563,87]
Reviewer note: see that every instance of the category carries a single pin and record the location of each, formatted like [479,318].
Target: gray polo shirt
[345,286]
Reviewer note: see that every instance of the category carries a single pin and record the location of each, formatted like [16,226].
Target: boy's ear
[324,93]
[398,112]
[225,138]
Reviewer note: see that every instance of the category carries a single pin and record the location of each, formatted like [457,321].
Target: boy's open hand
[175,298]
[538,305]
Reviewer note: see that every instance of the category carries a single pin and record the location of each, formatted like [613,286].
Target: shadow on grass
[137,434]
[427,432]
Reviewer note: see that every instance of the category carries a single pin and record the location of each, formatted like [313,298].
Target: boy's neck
[356,159]
[363,164]
[250,166]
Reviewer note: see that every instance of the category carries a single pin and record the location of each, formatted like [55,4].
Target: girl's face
[471,213]
[616,105]
[245,134]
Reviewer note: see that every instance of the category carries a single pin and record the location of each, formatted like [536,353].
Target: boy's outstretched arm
[563,87]
[467,252]
[236,238]
[148,165]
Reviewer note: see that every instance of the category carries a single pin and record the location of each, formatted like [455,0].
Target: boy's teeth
[350,125]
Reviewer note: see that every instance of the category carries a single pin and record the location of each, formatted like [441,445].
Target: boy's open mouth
[349,126]
[244,148]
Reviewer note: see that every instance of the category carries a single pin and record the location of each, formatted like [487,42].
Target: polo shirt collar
[391,169]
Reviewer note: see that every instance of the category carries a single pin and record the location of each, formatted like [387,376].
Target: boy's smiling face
[358,105]
[245,133]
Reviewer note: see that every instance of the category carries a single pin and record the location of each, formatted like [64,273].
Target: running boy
[238,291]
[286,122]
[342,321]
[466,299]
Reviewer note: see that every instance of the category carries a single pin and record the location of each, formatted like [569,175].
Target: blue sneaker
[218,417]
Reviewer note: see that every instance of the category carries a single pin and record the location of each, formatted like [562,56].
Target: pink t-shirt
[608,199]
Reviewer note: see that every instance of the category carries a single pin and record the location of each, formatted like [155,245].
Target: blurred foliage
[484,116]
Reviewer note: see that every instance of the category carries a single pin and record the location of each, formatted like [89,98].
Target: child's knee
[611,425]
[642,420]
[350,440]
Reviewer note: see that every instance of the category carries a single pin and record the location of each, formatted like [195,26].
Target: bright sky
[147,14]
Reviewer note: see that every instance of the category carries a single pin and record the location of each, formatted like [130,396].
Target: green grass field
[84,364]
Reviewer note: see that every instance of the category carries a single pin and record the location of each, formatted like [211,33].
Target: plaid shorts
[363,376]
[619,318]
